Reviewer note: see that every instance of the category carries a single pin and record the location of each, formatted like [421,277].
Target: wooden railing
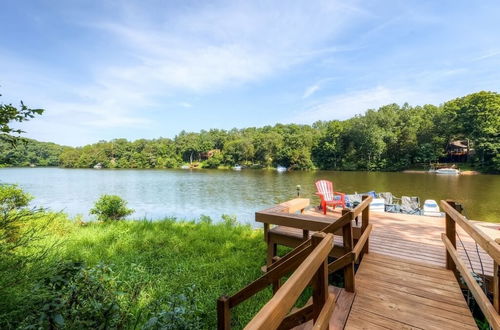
[313,269]
[454,263]
[304,261]
[352,252]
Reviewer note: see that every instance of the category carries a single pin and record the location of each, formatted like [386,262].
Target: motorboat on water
[237,167]
[185,167]
[444,169]
[447,170]
[431,209]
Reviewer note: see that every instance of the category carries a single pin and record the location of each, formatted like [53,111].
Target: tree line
[393,137]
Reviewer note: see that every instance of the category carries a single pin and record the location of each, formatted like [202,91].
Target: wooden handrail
[361,206]
[331,228]
[454,263]
[341,262]
[358,248]
[273,313]
[269,277]
[308,222]
[289,255]
[482,300]
[488,244]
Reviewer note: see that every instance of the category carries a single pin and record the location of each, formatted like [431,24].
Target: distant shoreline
[467,172]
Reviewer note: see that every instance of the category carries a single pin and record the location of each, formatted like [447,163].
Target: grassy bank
[150,275]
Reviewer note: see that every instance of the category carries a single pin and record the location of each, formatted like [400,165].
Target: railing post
[348,245]
[271,247]
[496,286]
[320,280]
[451,232]
[223,314]
[365,221]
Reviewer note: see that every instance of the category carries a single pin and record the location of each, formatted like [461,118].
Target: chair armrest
[320,195]
[342,195]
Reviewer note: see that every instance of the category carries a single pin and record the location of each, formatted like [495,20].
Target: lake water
[188,194]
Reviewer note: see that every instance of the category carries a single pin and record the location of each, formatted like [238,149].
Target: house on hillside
[208,154]
[459,151]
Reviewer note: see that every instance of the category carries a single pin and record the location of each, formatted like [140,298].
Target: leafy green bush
[22,254]
[179,312]
[111,207]
[78,297]
[13,198]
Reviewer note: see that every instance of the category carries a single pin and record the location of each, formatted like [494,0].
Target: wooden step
[343,303]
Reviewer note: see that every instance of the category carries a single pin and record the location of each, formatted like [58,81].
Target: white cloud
[218,46]
[487,55]
[310,91]
[343,106]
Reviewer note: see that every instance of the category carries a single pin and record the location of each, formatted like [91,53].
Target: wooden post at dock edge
[451,233]
[496,286]
[365,221]
[348,245]
[223,314]
[320,280]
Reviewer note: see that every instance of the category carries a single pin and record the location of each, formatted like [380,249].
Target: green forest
[390,138]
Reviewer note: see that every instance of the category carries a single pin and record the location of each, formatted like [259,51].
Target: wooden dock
[407,275]
[418,238]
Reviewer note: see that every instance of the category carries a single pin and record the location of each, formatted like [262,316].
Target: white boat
[431,208]
[448,170]
[237,168]
[281,168]
[377,205]
[98,166]
[185,167]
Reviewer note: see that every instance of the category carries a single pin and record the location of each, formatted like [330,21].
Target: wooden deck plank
[436,282]
[435,294]
[342,310]
[367,320]
[404,279]
[407,296]
[394,259]
[410,267]
[456,307]
[409,313]
[425,306]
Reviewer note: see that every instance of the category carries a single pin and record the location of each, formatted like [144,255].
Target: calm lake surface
[188,194]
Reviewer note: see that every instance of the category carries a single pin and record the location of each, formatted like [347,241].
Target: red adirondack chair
[328,196]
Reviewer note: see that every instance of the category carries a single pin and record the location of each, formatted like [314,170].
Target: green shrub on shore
[110,207]
[139,274]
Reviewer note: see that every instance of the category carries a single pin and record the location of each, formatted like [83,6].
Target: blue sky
[145,69]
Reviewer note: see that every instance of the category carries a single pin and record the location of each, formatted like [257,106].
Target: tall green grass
[163,265]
